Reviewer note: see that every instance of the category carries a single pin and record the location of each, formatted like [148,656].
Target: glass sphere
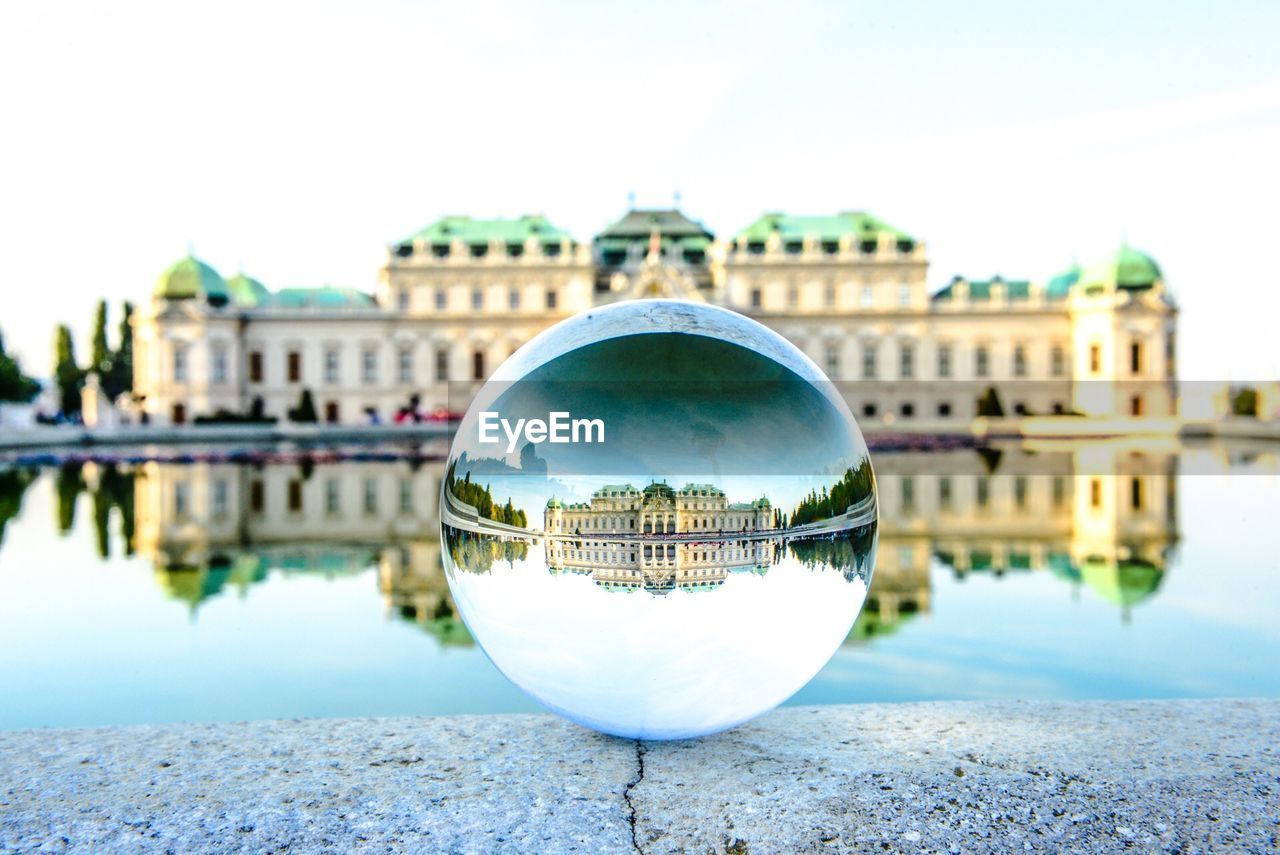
[659,519]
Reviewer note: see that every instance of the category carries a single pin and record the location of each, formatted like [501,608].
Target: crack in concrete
[626,795]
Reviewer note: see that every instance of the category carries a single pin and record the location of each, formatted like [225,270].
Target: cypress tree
[100,353]
[66,373]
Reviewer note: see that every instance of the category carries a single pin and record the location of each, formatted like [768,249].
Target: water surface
[200,592]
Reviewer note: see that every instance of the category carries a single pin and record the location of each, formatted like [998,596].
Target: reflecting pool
[153,592]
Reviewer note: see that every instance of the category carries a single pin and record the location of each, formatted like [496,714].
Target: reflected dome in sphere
[659,519]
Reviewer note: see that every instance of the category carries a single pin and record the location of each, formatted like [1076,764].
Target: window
[982,491]
[1135,494]
[869,410]
[944,360]
[1170,354]
[1095,492]
[906,361]
[1057,361]
[220,497]
[257,496]
[331,412]
[406,496]
[868,361]
[442,300]
[552,298]
[370,495]
[442,364]
[981,361]
[944,410]
[829,294]
[295,496]
[867,297]
[1136,406]
[331,365]
[404,364]
[294,366]
[1020,491]
[179,363]
[477,299]
[1135,357]
[904,295]
[402,299]
[513,299]
[255,366]
[219,368]
[477,365]
[833,360]
[1059,490]
[1095,358]
[1019,360]
[332,496]
[757,298]
[944,491]
[181,503]
[908,494]
[369,365]
[793,296]
[907,410]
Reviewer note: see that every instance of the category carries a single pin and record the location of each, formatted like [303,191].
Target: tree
[305,411]
[1245,402]
[989,404]
[119,379]
[66,372]
[14,385]
[100,353]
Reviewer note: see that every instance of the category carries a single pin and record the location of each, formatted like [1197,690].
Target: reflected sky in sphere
[690,564]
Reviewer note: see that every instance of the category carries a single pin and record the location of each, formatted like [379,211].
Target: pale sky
[295,140]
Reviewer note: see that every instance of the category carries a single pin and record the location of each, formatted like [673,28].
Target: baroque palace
[457,298]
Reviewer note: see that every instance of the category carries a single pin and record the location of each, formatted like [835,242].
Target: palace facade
[1100,517]
[657,509]
[457,298]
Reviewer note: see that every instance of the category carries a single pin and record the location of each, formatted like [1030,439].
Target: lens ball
[659,519]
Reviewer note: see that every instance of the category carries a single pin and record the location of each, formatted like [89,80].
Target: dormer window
[831,247]
[514,250]
[404,250]
[440,250]
[755,247]
[479,250]
[868,247]
[551,250]
[794,247]
[906,246]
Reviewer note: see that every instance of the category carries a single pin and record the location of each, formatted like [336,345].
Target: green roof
[1059,286]
[247,291]
[480,232]
[638,224]
[1125,268]
[1124,583]
[325,297]
[191,278]
[980,289]
[857,224]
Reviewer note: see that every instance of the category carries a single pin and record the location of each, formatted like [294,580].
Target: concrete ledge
[1097,776]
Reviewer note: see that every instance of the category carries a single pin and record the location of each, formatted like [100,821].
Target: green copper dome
[247,291]
[1125,268]
[1059,286]
[189,279]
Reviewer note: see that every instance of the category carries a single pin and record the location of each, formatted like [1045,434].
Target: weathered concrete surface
[1089,777]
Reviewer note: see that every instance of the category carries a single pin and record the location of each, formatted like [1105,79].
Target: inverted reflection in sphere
[697,546]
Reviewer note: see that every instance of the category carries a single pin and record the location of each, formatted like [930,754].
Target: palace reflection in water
[1099,517]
